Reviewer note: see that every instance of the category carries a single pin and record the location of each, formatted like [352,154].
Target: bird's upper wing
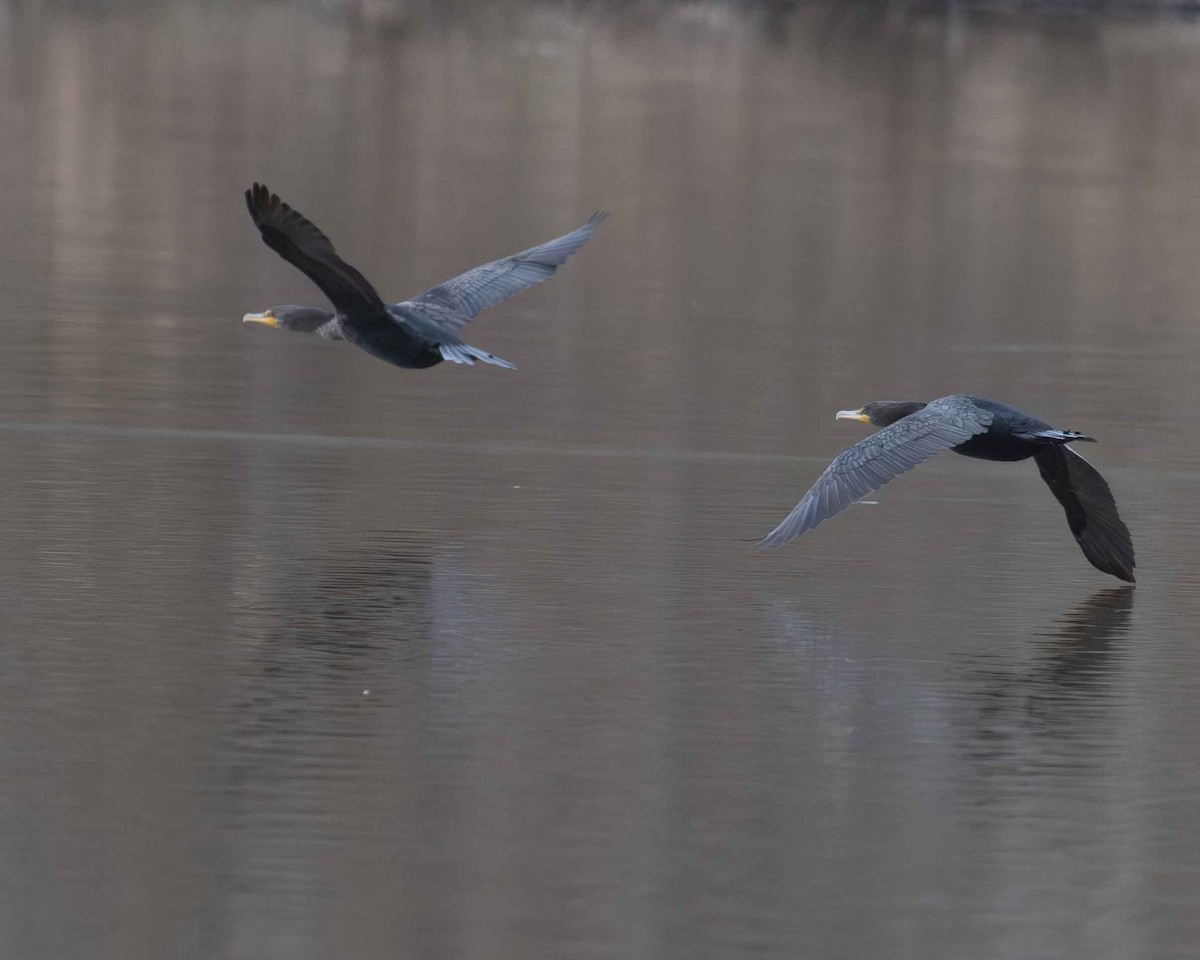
[881,457]
[300,243]
[1091,510]
[452,304]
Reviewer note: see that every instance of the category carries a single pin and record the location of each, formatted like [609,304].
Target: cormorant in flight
[413,333]
[913,432]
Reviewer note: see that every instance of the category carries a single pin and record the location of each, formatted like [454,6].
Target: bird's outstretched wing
[452,304]
[1091,510]
[300,243]
[882,457]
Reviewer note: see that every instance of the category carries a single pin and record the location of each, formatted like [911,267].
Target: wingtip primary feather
[773,540]
[261,197]
[260,200]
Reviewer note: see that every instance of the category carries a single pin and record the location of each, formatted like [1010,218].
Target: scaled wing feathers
[452,304]
[882,457]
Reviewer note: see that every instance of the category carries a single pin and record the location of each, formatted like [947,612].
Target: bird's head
[290,317]
[881,413]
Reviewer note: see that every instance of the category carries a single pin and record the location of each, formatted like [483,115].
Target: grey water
[305,656]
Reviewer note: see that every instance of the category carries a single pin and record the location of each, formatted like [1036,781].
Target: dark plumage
[414,333]
[913,432]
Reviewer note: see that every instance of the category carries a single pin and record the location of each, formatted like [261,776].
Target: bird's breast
[391,342]
[989,446]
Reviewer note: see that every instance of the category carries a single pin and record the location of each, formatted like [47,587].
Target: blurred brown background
[304,656]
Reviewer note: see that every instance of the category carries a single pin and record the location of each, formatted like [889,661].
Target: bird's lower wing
[881,457]
[451,305]
[1090,508]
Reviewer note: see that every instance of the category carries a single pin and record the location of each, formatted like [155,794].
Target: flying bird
[414,333]
[914,431]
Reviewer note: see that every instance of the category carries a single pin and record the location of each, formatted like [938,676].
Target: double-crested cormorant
[913,432]
[414,333]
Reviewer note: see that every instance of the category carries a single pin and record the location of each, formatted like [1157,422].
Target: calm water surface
[303,656]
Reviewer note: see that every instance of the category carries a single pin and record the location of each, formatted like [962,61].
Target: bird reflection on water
[1079,653]
[1057,713]
[320,639]
[326,645]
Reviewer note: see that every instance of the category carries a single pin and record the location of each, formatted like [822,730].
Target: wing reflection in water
[320,634]
[1055,715]
[1079,653]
